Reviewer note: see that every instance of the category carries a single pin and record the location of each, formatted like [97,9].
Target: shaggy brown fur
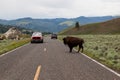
[73,42]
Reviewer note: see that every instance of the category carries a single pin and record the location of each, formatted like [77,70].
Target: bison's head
[64,41]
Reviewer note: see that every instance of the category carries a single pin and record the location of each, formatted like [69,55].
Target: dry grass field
[104,48]
[7,45]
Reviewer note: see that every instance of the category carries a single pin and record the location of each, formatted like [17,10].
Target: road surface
[50,61]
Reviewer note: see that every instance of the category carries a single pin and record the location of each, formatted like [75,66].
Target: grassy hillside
[68,23]
[108,27]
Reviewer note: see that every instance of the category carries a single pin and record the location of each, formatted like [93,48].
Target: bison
[73,42]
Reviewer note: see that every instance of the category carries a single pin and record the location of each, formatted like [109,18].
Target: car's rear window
[37,34]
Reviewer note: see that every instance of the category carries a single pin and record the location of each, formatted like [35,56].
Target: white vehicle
[37,37]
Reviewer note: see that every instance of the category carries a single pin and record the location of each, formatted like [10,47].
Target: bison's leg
[80,46]
[70,48]
[79,49]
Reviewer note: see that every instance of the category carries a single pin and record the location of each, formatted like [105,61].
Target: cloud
[12,9]
[110,0]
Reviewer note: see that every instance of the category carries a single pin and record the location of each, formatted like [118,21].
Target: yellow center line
[37,73]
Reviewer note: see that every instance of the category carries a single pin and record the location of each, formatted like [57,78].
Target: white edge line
[13,50]
[100,64]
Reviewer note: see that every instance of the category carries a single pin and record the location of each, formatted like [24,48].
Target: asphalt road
[55,61]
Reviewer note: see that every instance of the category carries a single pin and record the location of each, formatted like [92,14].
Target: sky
[13,9]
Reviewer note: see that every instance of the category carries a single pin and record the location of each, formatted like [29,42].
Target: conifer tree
[77,25]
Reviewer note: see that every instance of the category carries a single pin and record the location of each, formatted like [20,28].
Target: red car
[37,37]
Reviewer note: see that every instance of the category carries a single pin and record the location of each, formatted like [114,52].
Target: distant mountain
[44,25]
[53,25]
[107,27]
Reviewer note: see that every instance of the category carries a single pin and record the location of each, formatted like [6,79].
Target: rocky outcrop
[12,33]
[2,37]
